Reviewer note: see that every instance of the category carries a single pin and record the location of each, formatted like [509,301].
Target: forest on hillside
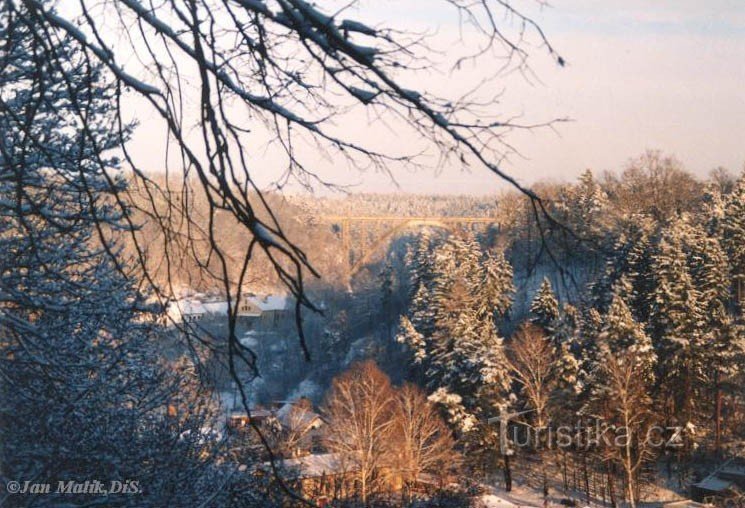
[627,310]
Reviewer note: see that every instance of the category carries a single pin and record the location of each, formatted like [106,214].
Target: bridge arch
[391,233]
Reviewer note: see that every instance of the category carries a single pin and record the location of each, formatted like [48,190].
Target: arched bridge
[392,226]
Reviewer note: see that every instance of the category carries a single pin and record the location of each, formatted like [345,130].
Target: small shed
[723,483]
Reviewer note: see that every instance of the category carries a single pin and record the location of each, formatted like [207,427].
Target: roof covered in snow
[714,484]
[270,302]
[301,417]
[198,305]
[317,464]
[724,477]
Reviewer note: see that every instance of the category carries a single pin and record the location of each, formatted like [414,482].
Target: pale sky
[658,74]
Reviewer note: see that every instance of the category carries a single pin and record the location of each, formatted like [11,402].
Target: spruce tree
[451,328]
[620,332]
[677,322]
[733,236]
[496,289]
[544,310]
[622,378]
[86,392]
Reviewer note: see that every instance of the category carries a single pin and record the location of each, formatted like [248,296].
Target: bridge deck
[399,218]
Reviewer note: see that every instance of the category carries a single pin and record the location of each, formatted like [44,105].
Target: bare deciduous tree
[533,362]
[422,442]
[628,402]
[358,410]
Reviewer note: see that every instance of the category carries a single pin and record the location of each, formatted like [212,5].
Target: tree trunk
[628,462]
[587,477]
[718,417]
[564,472]
[611,487]
[507,474]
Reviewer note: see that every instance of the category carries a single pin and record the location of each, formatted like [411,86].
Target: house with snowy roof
[726,482]
[322,477]
[265,312]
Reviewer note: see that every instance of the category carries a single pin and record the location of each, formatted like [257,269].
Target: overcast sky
[641,74]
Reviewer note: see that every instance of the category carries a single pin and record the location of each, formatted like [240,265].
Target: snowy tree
[620,332]
[624,390]
[630,257]
[452,333]
[497,288]
[86,392]
[464,352]
[676,325]
[422,274]
[533,361]
[413,339]
[722,347]
[544,310]
[586,208]
[567,340]
[622,379]
[733,234]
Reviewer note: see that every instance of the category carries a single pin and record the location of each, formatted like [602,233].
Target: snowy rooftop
[303,418]
[270,302]
[733,469]
[199,304]
[255,413]
[714,484]
[317,464]
[724,477]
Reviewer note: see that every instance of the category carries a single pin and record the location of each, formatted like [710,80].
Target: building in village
[263,312]
[727,482]
[322,477]
[326,477]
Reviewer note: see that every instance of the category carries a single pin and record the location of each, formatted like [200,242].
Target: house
[187,310]
[726,482]
[239,420]
[267,312]
[195,309]
[299,419]
[322,477]
[273,310]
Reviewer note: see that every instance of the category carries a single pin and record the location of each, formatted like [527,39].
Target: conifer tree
[733,236]
[86,394]
[544,310]
[676,324]
[451,327]
[497,287]
[620,332]
[622,376]
[567,341]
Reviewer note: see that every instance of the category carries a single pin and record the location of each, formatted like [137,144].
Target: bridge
[393,225]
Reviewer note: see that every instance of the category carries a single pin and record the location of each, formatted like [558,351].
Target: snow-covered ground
[493,501]
[520,495]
